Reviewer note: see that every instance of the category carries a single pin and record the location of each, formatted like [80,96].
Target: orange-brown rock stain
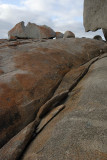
[45,31]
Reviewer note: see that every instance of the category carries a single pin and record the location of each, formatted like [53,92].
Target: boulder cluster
[34,31]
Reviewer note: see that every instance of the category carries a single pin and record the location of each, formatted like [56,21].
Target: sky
[60,15]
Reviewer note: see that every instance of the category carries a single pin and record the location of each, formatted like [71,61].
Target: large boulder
[95,15]
[17,31]
[69,34]
[30,72]
[31,31]
[36,31]
[59,35]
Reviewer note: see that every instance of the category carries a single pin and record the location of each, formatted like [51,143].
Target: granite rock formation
[38,80]
[30,31]
[79,131]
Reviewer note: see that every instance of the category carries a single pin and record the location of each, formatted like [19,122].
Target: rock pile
[31,31]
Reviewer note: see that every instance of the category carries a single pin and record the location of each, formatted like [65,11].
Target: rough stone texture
[69,34]
[48,118]
[49,105]
[18,31]
[13,149]
[59,35]
[80,130]
[98,37]
[12,38]
[30,72]
[72,78]
[95,14]
[39,32]
[31,31]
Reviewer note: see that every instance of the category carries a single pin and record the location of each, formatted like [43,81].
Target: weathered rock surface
[17,31]
[30,72]
[95,14]
[59,35]
[98,37]
[69,34]
[15,147]
[80,130]
[30,31]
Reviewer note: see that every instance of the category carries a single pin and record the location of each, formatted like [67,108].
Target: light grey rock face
[31,31]
[98,37]
[69,34]
[95,14]
[36,31]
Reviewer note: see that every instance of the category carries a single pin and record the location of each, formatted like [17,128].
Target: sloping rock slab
[15,147]
[30,72]
[80,130]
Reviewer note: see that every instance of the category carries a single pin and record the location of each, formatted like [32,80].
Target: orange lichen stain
[18,27]
[1,72]
[7,96]
[26,81]
[101,155]
[47,31]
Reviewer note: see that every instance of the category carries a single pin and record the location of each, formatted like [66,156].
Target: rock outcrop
[59,35]
[95,16]
[79,131]
[69,34]
[17,31]
[35,78]
[31,31]
[30,73]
